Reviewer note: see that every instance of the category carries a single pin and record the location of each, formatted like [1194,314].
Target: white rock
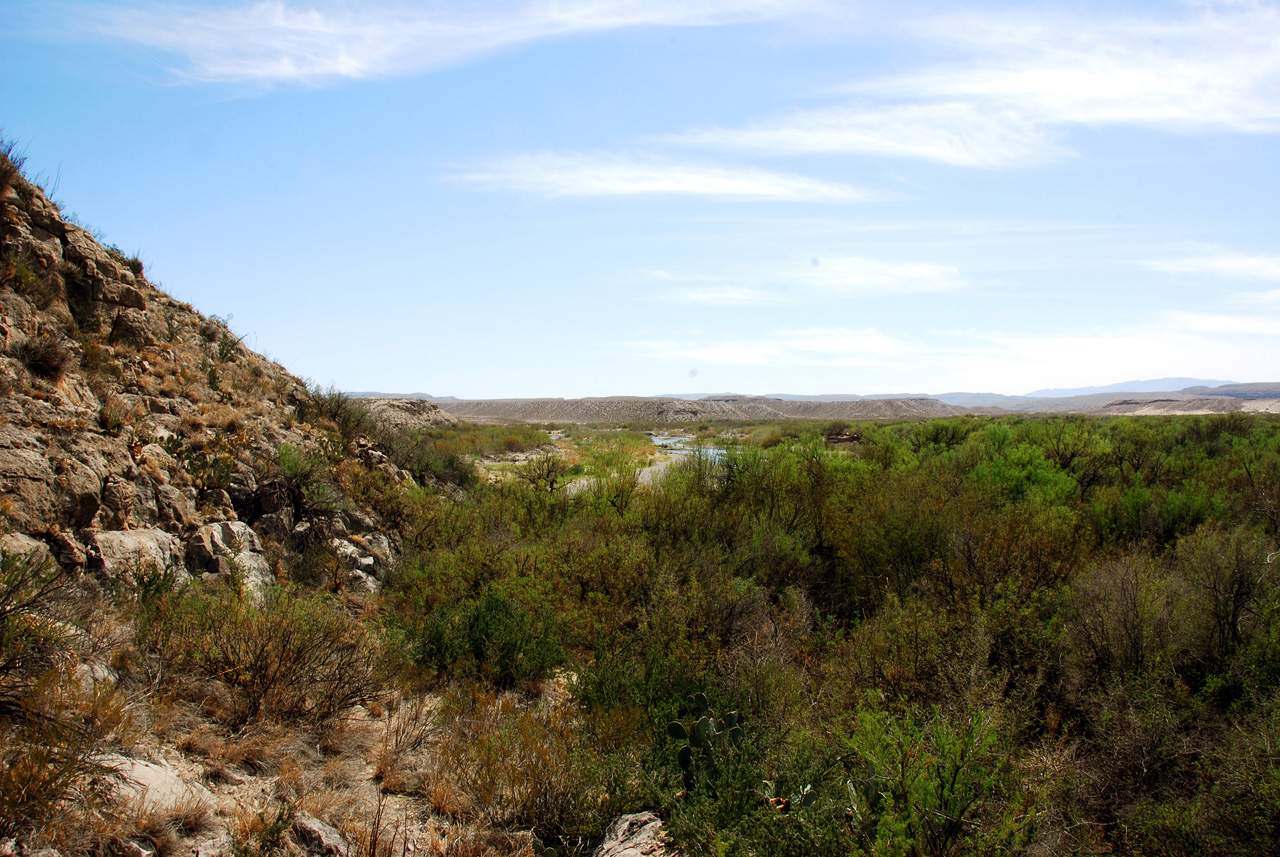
[636,835]
[158,789]
[124,553]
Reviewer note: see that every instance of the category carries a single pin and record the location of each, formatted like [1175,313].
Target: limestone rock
[230,546]
[126,553]
[408,413]
[174,508]
[34,550]
[27,481]
[157,788]
[318,837]
[130,328]
[122,295]
[636,835]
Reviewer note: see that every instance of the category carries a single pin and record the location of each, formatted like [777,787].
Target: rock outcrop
[137,435]
[637,835]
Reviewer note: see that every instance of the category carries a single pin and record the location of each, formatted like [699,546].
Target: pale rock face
[34,550]
[126,553]
[318,837]
[130,328]
[230,546]
[157,788]
[636,835]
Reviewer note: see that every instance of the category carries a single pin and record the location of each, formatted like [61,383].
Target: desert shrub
[11,164]
[428,460]
[548,765]
[491,637]
[21,271]
[50,728]
[45,354]
[348,417]
[934,785]
[289,656]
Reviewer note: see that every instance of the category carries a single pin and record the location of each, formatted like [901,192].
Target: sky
[619,197]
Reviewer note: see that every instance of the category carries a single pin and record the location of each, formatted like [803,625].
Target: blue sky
[595,197]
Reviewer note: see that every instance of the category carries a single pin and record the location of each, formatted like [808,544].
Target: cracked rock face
[637,835]
[139,435]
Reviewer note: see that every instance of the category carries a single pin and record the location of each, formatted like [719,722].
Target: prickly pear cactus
[704,739]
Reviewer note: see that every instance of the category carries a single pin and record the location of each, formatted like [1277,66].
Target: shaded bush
[491,637]
[50,728]
[289,657]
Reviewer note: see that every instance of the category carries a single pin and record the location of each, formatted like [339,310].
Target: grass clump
[45,354]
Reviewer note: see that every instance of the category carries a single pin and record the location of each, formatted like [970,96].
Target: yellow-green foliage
[1019,631]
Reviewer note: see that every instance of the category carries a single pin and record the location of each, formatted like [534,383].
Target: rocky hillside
[134,429]
[157,695]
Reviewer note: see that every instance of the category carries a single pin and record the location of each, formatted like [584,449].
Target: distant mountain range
[1173,395]
[1158,385]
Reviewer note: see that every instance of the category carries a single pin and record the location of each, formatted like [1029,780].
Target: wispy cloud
[596,174]
[1222,265]
[1030,78]
[722,296]
[860,274]
[966,135]
[815,277]
[275,41]
[1270,298]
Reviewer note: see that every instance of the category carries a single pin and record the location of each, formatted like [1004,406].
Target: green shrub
[291,656]
[941,786]
[491,637]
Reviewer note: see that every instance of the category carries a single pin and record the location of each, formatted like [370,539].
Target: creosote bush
[51,728]
[288,656]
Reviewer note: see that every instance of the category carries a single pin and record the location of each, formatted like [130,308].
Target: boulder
[126,553]
[27,482]
[361,568]
[637,835]
[122,295]
[156,788]
[34,550]
[229,547]
[174,508]
[318,837]
[130,328]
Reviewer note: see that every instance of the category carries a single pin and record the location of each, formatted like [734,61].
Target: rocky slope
[134,429]
[141,446]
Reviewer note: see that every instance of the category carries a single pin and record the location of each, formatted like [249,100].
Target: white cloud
[842,274]
[718,296]
[1029,78]
[1161,345]
[1222,265]
[859,274]
[1264,298]
[956,133]
[577,174]
[274,41]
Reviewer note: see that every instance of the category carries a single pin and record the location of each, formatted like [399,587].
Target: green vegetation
[959,636]
[963,636]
